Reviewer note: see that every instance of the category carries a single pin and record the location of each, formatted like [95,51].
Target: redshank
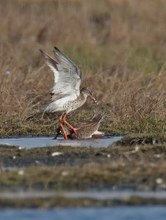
[66,93]
[86,130]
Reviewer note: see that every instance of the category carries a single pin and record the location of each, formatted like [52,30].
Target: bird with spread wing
[66,94]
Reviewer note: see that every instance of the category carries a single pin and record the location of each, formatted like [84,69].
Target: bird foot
[74,130]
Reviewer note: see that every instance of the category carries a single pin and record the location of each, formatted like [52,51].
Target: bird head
[86,92]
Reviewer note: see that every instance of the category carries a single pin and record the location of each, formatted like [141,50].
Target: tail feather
[99,116]
[52,107]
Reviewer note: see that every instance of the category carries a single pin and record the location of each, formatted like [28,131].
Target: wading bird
[66,93]
[86,130]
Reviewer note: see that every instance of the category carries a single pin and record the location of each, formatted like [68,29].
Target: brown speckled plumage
[88,129]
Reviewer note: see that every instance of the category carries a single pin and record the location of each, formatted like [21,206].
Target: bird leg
[62,127]
[61,119]
[69,125]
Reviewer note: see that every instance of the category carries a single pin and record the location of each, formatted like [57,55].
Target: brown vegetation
[119,45]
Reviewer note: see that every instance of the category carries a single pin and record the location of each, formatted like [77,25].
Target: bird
[90,129]
[66,95]
[86,130]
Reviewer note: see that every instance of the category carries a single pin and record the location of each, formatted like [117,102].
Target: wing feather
[67,75]
[52,64]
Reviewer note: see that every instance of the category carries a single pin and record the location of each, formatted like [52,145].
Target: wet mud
[126,164]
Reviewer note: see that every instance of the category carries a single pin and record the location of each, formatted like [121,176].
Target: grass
[62,202]
[86,177]
[119,45]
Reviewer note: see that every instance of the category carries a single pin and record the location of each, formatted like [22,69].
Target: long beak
[94,99]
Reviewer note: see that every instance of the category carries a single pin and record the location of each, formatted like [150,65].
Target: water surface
[114,213]
[32,142]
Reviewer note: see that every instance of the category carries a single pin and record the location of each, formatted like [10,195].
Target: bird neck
[83,96]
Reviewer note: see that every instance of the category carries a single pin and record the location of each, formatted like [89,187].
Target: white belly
[60,104]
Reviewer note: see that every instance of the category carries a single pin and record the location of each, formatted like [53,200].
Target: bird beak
[94,99]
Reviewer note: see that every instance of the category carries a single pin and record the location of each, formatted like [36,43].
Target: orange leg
[62,127]
[63,131]
[61,119]
[69,125]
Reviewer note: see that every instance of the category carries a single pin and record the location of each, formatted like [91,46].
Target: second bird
[66,93]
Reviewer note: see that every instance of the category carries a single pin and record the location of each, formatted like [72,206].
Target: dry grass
[119,45]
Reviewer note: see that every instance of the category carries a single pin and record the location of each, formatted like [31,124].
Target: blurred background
[119,46]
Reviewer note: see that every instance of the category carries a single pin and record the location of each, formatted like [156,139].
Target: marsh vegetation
[120,48]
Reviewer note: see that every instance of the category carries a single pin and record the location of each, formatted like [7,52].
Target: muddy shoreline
[78,202]
[133,163]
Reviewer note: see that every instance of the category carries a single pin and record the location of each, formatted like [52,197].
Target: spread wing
[67,76]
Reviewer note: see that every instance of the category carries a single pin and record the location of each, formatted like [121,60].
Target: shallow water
[32,142]
[114,213]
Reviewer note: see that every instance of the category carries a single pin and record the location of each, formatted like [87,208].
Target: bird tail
[98,116]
